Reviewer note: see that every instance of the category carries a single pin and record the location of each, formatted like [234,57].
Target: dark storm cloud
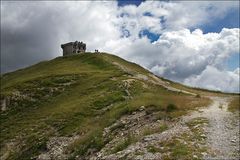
[26,47]
[34,31]
[27,37]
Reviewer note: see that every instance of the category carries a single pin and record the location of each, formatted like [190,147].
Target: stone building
[73,48]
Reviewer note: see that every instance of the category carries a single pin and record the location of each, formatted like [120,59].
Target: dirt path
[218,132]
[222,131]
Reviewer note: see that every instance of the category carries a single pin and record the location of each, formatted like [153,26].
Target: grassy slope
[234,104]
[200,91]
[73,95]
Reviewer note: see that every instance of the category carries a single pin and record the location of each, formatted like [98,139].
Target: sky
[192,42]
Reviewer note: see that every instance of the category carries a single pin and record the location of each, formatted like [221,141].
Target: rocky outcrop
[4,103]
[137,126]
[56,147]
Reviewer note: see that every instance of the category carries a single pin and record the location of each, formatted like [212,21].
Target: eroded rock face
[138,125]
[4,104]
[56,147]
[14,99]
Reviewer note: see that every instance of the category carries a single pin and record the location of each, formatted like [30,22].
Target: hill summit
[89,106]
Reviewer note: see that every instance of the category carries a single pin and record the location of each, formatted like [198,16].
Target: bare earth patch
[210,133]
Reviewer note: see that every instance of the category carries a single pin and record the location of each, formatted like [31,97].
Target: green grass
[153,149]
[183,146]
[159,129]
[79,94]
[176,150]
[130,139]
[198,131]
[75,64]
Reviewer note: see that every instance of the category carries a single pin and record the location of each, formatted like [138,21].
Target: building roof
[72,43]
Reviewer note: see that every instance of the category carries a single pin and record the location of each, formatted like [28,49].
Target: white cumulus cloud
[212,78]
[33,31]
[179,55]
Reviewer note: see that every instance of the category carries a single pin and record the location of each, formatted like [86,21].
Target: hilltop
[97,105]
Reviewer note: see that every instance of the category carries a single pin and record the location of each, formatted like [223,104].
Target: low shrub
[171,107]
[198,96]
[152,108]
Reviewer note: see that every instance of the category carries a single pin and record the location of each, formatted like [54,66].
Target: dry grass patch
[234,104]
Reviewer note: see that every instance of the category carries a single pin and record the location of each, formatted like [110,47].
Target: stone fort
[73,48]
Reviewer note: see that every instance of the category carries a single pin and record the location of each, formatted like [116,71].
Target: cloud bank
[178,50]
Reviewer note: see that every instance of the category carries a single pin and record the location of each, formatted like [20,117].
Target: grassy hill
[74,98]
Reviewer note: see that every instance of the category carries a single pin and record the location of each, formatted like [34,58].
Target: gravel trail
[222,131]
[222,135]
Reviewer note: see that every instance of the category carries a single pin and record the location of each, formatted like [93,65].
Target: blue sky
[127,2]
[229,20]
[233,62]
